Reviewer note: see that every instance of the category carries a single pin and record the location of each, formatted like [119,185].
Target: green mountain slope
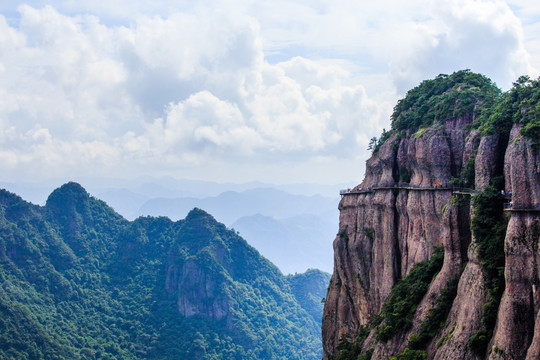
[80,282]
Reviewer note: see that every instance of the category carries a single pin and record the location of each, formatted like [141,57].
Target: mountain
[81,282]
[306,288]
[124,201]
[292,244]
[111,190]
[293,231]
[229,206]
[436,255]
[292,206]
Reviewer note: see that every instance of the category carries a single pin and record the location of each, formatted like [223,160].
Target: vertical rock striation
[518,325]
[387,226]
[405,208]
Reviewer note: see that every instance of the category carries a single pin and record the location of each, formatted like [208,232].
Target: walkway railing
[508,205]
[375,187]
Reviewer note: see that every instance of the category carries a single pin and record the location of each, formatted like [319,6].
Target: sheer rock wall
[403,210]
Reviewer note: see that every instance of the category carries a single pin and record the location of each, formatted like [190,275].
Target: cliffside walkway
[455,190]
[508,207]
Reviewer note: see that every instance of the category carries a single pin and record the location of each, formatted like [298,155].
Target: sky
[233,91]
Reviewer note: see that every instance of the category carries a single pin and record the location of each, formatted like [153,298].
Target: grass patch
[420,133]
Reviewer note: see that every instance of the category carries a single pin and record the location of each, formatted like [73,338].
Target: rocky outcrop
[518,325]
[198,292]
[404,209]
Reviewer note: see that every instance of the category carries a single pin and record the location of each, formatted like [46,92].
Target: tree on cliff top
[475,97]
[519,105]
[461,94]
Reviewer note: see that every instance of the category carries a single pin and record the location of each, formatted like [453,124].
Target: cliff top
[461,94]
[472,97]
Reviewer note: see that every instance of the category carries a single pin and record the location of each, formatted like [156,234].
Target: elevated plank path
[521,210]
[455,190]
[460,191]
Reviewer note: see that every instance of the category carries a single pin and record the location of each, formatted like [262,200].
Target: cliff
[437,180]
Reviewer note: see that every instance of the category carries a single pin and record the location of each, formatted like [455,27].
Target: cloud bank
[285,92]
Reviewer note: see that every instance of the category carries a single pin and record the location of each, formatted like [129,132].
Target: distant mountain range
[81,282]
[229,206]
[167,187]
[292,244]
[300,218]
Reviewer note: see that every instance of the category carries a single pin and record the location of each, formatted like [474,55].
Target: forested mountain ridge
[80,282]
[301,217]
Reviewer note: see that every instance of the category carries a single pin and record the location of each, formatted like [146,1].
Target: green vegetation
[307,289]
[352,350]
[420,133]
[375,144]
[397,312]
[404,175]
[370,233]
[465,94]
[448,336]
[80,282]
[489,228]
[461,94]
[343,234]
[409,354]
[475,98]
[466,177]
[366,356]
[436,316]
[519,105]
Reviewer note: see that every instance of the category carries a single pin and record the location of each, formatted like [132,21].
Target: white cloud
[129,88]
[167,91]
[484,36]
[204,124]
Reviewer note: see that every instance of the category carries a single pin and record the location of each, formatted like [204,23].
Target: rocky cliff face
[403,210]
[517,333]
[198,292]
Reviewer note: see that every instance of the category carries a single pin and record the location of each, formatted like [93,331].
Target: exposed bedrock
[403,210]
[518,326]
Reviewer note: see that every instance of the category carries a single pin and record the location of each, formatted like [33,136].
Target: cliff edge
[437,250]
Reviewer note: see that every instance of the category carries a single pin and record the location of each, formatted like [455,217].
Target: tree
[372,143]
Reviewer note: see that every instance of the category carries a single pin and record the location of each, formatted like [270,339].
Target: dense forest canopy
[461,94]
[81,282]
[465,94]
[519,105]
